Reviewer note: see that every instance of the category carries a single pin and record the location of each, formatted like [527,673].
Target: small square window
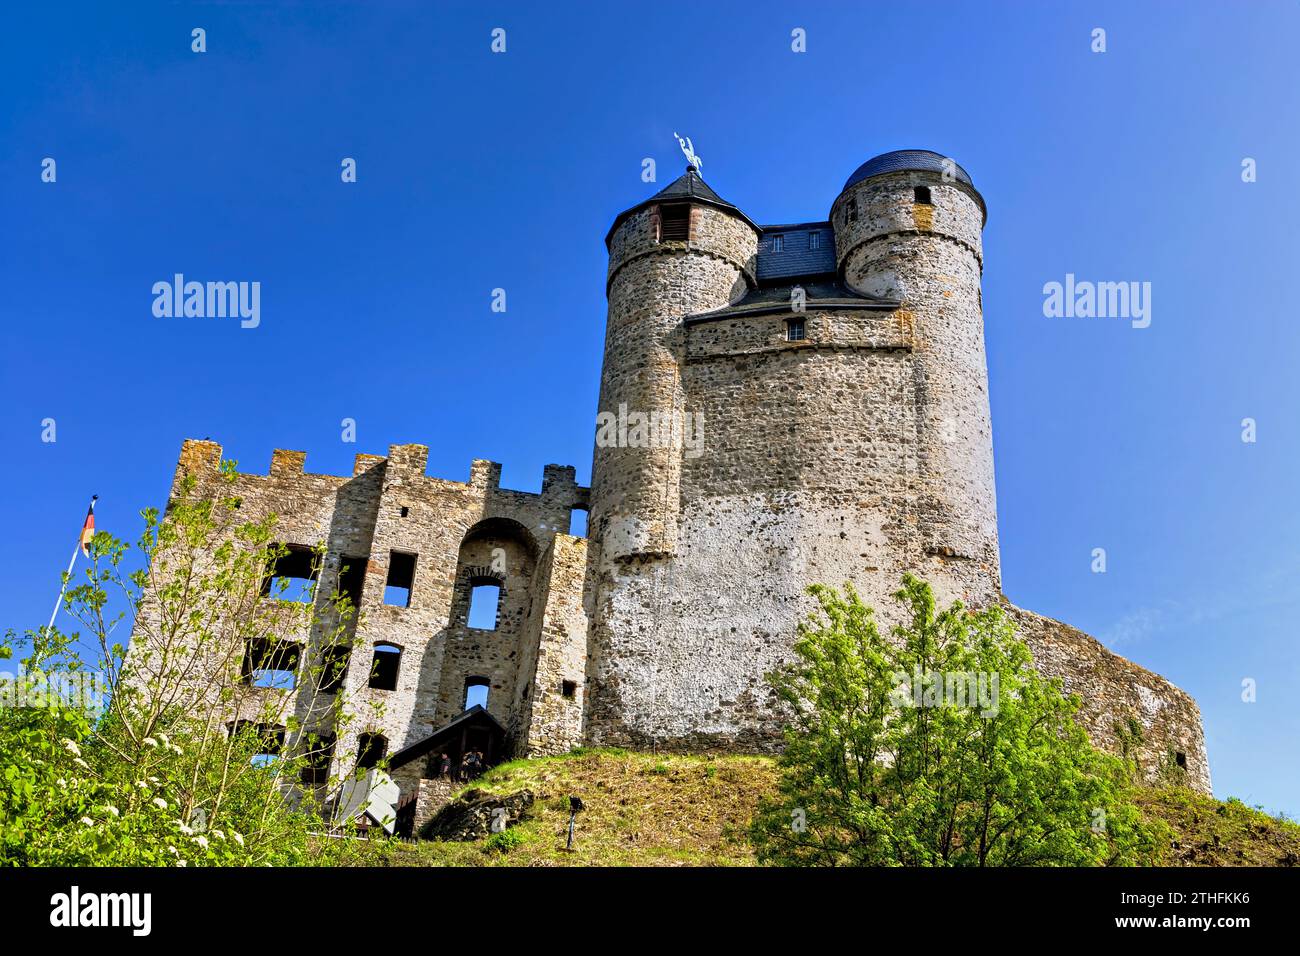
[794,330]
[922,195]
[405,511]
[568,688]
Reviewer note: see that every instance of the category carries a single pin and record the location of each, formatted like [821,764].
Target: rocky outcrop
[476,813]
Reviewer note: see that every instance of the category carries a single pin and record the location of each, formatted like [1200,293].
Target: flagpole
[67,576]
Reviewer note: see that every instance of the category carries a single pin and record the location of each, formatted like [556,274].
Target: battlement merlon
[201,459]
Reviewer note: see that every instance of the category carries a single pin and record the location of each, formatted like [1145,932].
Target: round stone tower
[684,250]
[907,227]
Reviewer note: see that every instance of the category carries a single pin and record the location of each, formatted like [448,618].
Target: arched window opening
[384,668]
[476,692]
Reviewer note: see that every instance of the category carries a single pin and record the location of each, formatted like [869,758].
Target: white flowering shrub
[175,766]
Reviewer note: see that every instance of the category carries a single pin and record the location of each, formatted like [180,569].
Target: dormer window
[778,243]
[675,223]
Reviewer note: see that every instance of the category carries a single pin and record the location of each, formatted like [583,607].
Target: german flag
[88,529]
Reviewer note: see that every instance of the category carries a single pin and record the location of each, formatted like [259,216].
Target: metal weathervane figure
[688,151]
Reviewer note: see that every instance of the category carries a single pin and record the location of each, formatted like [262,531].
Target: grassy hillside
[647,810]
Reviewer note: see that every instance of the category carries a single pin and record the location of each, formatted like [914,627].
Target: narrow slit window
[794,330]
[401,579]
[853,210]
[484,602]
[674,223]
[385,667]
[476,692]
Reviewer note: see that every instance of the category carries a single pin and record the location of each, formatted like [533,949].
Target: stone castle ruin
[779,405]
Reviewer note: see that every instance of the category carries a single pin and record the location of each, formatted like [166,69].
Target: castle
[779,405]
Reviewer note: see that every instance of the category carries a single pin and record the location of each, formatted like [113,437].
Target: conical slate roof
[688,187]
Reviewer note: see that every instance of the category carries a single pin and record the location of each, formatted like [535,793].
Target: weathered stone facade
[845,437]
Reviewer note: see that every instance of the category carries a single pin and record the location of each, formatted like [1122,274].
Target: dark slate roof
[688,187]
[905,159]
[476,715]
[827,295]
[797,257]
[926,160]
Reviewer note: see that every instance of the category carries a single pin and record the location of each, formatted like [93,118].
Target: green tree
[173,754]
[941,745]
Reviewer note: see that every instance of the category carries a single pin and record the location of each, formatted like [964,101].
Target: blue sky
[478,171]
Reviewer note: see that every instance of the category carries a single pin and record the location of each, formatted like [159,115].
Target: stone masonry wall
[1112,689]
[390,505]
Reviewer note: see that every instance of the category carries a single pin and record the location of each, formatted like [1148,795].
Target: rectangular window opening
[401,579]
[334,668]
[674,223]
[352,579]
[794,330]
[292,576]
[568,688]
[385,667]
[484,602]
[271,664]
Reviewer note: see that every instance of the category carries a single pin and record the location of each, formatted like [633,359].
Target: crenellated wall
[459,533]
